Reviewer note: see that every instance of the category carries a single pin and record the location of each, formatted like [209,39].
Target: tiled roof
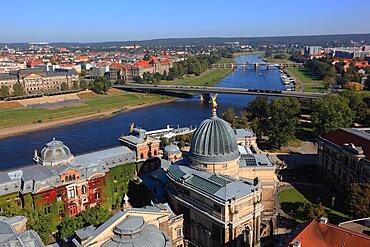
[318,234]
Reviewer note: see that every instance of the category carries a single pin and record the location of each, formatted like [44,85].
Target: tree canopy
[4,91]
[100,85]
[18,89]
[330,113]
[358,200]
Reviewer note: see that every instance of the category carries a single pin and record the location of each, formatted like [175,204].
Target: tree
[355,86]
[330,113]
[91,216]
[315,211]
[64,87]
[94,216]
[229,116]
[83,84]
[18,89]
[257,111]
[100,85]
[357,105]
[268,52]
[68,226]
[4,91]
[75,86]
[283,119]
[358,200]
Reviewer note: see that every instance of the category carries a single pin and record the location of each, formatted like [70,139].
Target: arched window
[97,195]
[155,152]
[83,189]
[141,156]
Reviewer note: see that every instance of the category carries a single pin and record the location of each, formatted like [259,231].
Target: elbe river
[99,134]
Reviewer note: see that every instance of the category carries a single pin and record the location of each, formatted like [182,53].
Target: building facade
[344,157]
[219,207]
[143,145]
[61,184]
[39,81]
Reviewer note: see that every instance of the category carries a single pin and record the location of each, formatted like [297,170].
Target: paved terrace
[208,90]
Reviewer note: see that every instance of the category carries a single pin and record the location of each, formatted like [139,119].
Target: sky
[120,20]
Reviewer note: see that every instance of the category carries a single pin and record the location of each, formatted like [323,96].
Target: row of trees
[193,65]
[322,69]
[17,91]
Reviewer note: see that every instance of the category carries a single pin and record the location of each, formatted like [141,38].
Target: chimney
[323,220]
[296,243]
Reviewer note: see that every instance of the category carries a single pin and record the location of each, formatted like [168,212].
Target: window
[83,189]
[47,209]
[178,233]
[97,195]
[71,193]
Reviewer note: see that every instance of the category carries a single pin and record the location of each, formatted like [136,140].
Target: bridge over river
[208,90]
[255,65]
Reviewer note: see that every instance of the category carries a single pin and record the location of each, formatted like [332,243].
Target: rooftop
[218,186]
[323,234]
[360,137]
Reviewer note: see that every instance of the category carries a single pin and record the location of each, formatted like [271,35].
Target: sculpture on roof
[214,103]
[132,126]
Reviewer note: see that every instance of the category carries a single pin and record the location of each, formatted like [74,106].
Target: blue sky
[115,20]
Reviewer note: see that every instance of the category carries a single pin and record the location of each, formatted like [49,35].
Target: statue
[132,127]
[36,156]
[214,103]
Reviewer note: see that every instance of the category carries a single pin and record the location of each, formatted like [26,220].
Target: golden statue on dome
[132,127]
[214,103]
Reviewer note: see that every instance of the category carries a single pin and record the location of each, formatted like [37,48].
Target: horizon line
[172,38]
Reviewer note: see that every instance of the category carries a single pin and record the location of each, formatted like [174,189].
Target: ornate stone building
[344,157]
[39,80]
[144,146]
[219,207]
[61,184]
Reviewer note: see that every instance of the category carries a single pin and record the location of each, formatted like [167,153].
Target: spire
[214,105]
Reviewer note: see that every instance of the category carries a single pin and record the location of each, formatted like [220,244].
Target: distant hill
[323,40]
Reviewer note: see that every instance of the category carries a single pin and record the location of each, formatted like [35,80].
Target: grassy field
[97,104]
[208,78]
[293,196]
[310,83]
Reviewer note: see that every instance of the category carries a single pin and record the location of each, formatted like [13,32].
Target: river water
[98,134]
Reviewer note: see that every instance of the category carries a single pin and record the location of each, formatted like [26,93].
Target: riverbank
[25,120]
[309,83]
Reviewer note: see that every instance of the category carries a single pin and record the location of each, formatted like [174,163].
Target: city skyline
[44,21]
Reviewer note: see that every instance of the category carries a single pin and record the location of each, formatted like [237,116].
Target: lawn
[291,199]
[310,83]
[291,195]
[208,78]
[97,104]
